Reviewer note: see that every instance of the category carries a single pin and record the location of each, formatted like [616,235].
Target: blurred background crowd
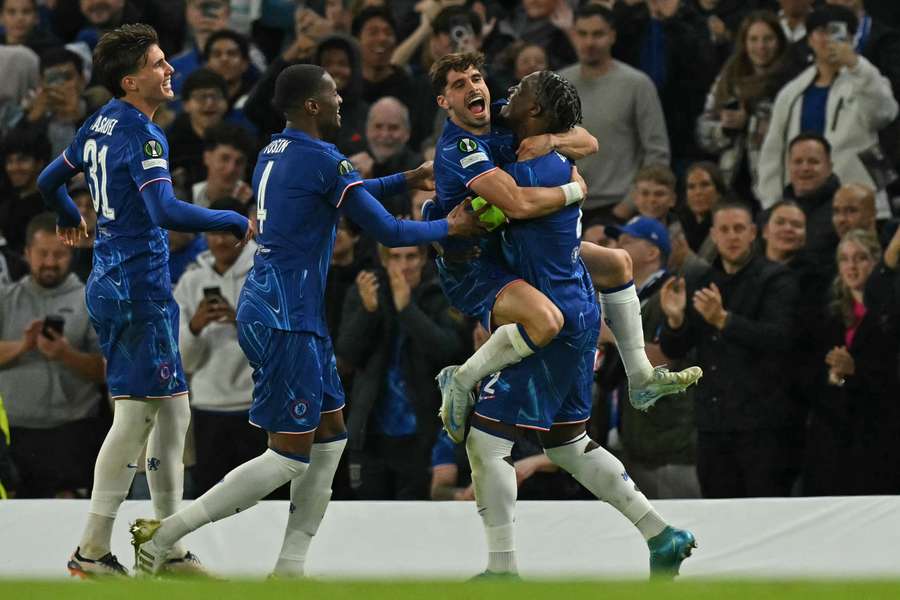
[748,164]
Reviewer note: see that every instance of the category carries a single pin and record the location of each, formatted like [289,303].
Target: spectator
[740,325]
[104,15]
[654,192]
[631,123]
[83,250]
[853,207]
[203,17]
[518,60]
[226,150]
[221,383]
[784,232]
[841,90]
[205,101]
[50,370]
[705,188]
[59,107]
[875,40]
[228,54]
[739,105]
[21,26]
[723,19]
[24,153]
[441,30]
[537,477]
[536,21]
[19,66]
[855,420]
[667,40]
[337,54]
[387,133]
[376,31]
[659,446]
[792,17]
[397,332]
[813,185]
[346,263]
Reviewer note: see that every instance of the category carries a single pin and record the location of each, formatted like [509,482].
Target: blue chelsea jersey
[120,151]
[546,251]
[300,183]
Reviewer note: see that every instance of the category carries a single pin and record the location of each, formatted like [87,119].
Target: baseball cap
[644,228]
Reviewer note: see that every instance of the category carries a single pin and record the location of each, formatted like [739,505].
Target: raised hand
[673,301]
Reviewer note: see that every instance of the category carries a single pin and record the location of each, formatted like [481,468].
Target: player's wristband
[572,190]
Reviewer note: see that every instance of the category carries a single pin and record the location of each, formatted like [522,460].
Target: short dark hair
[811,136]
[203,79]
[34,5]
[61,56]
[227,134]
[781,204]
[227,34]
[452,16]
[45,221]
[29,142]
[732,205]
[121,52]
[455,61]
[295,85]
[372,12]
[559,100]
[596,10]
[229,203]
[829,13]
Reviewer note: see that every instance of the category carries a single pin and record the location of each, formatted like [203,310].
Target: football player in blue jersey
[124,158]
[301,182]
[467,161]
[550,391]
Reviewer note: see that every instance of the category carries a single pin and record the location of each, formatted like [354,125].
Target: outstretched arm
[369,214]
[169,212]
[500,189]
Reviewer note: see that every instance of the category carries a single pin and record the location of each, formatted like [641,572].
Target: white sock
[114,471]
[505,347]
[604,475]
[241,489]
[622,313]
[495,496]
[165,458]
[310,495]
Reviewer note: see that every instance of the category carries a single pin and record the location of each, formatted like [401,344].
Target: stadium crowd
[748,165]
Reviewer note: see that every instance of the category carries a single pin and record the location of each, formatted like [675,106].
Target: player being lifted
[300,183]
[466,163]
[124,158]
[550,391]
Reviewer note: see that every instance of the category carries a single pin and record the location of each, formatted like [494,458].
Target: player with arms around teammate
[124,157]
[301,182]
[550,391]
[466,162]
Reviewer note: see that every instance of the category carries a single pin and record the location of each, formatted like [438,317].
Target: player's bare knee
[625,266]
[296,444]
[544,324]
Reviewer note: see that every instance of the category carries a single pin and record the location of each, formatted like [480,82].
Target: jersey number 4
[261,195]
[95,160]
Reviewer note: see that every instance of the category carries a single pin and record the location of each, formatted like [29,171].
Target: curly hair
[457,61]
[559,101]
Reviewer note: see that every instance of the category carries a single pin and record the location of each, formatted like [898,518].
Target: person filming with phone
[220,376]
[50,370]
[842,97]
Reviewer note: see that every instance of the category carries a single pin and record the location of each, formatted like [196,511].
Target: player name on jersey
[104,125]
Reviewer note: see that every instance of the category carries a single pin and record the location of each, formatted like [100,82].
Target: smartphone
[733,104]
[837,31]
[55,77]
[213,295]
[53,323]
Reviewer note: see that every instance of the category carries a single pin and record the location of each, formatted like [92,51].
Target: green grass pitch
[494,590]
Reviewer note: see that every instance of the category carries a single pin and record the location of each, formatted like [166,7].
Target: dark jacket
[688,67]
[365,342]
[854,431]
[745,366]
[352,135]
[821,239]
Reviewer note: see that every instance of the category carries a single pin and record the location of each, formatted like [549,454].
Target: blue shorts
[139,340]
[473,286]
[295,378]
[550,387]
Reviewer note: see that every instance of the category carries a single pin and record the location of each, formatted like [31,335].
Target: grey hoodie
[40,393]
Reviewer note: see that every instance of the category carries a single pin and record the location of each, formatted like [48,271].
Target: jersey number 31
[96,161]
